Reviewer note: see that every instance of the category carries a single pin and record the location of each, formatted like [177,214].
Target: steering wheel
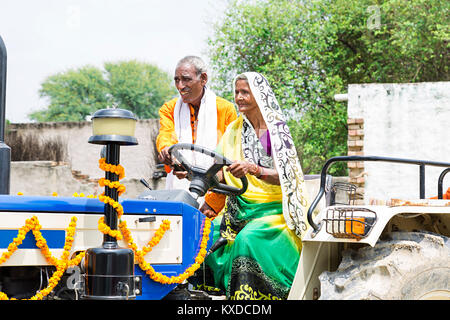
[201,179]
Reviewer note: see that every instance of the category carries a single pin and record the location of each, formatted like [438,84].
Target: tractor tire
[403,266]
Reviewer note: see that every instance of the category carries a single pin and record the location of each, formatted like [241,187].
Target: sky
[45,37]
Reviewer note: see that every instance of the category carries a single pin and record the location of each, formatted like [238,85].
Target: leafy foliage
[311,50]
[132,85]
[139,87]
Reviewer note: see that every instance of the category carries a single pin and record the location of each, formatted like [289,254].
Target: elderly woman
[263,227]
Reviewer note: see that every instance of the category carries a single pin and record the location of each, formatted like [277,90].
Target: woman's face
[244,98]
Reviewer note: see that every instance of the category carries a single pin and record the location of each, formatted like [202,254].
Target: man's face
[189,84]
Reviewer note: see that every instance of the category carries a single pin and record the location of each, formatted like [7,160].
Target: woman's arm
[270,176]
[215,202]
[241,168]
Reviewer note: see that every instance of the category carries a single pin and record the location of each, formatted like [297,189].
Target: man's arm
[167,135]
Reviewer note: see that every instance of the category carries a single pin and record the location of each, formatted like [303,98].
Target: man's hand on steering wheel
[180,174]
[166,158]
[208,211]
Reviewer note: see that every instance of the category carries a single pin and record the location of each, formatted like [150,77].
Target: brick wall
[355,146]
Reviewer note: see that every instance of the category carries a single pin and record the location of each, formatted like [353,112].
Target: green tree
[74,94]
[311,50]
[139,87]
[383,41]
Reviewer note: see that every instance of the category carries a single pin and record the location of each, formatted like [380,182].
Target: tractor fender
[383,214]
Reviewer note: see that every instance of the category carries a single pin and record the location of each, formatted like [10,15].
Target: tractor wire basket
[343,193]
[349,222]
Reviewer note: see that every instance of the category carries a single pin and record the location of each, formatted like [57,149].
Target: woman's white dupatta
[293,186]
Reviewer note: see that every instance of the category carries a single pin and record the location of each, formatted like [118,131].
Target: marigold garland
[120,171]
[61,264]
[161,278]
[124,232]
[117,169]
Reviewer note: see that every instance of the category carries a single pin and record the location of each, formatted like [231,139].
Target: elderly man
[198,116]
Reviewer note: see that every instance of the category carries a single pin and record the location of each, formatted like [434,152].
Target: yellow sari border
[231,147]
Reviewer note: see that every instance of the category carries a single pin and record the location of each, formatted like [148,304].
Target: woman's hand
[208,211]
[240,168]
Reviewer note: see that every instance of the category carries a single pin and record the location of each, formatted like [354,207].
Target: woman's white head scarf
[293,187]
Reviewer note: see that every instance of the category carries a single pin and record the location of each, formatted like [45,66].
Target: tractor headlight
[113,126]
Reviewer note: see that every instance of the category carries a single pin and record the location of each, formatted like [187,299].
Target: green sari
[263,227]
[261,256]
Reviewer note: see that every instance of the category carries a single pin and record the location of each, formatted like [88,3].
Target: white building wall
[404,121]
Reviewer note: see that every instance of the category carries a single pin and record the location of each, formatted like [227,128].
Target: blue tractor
[104,266]
[70,248]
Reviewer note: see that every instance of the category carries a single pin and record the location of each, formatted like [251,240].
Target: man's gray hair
[197,62]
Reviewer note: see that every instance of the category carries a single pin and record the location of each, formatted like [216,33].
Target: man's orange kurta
[226,113]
